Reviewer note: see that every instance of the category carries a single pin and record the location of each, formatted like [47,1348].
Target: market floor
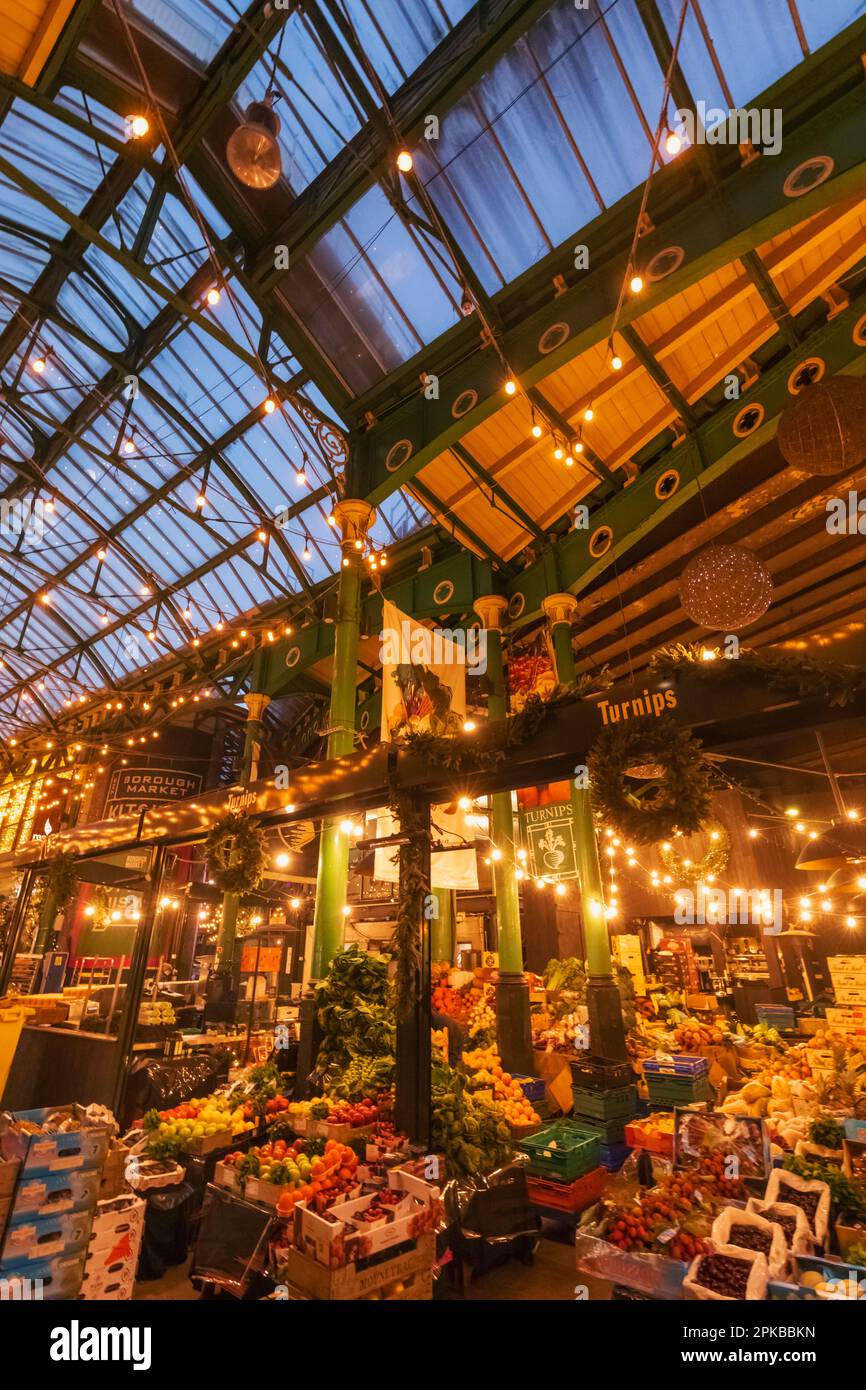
[551,1275]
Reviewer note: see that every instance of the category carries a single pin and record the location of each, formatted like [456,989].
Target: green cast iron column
[442,926]
[512,991]
[256,704]
[354,517]
[607,1037]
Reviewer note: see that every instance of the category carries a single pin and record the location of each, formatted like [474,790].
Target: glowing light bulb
[270,406]
[616,362]
[38,365]
[510,386]
[405,162]
[213,296]
[792,811]
[635,284]
[300,477]
[282,861]
[295,904]
[536,431]
[139,126]
[469,726]
[464,803]
[589,413]
[200,500]
[129,446]
[673,142]
[558,453]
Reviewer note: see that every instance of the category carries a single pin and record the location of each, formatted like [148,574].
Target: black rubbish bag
[491,1219]
[160,1083]
[167,1220]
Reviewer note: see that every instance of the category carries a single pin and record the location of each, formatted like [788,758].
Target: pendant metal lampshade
[725,587]
[840,846]
[253,151]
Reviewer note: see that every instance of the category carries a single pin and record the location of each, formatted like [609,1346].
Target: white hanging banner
[449,868]
[423,678]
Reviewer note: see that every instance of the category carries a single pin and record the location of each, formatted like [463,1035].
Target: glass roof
[141,408]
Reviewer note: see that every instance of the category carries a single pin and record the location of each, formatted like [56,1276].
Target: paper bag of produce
[783,1186]
[800,1241]
[731,1217]
[756,1284]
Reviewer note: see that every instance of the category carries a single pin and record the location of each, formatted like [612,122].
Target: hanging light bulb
[253,151]
[38,365]
[307,553]
[270,405]
[100,554]
[558,453]
[588,413]
[129,445]
[138,126]
[405,162]
[635,284]
[673,142]
[537,431]
[616,362]
[510,386]
[569,461]
[213,296]
[300,477]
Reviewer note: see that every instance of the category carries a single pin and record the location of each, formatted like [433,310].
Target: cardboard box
[39,1238]
[118,1222]
[8,1175]
[84,1146]
[346,1282]
[49,1194]
[43,1279]
[115,1285]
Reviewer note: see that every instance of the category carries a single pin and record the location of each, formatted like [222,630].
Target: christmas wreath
[235,853]
[695,871]
[678,800]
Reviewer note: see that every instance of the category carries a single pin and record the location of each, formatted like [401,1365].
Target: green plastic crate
[620,1104]
[669,1093]
[562,1151]
[608,1131]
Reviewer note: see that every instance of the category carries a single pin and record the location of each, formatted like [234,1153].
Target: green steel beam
[707,455]
[479,472]
[489,29]
[654,369]
[710,452]
[747,209]
[773,301]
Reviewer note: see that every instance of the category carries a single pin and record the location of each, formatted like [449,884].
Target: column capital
[354,517]
[491,609]
[256,704]
[559,608]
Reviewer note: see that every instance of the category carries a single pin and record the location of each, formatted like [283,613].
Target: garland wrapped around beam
[503,736]
[60,883]
[405,943]
[678,800]
[833,681]
[235,853]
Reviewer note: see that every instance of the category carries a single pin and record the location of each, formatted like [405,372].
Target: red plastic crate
[568,1196]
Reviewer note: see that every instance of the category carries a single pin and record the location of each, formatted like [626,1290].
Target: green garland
[832,681]
[414,889]
[680,800]
[502,737]
[60,881]
[235,853]
[713,862]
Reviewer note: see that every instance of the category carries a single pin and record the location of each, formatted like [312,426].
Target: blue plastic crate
[613,1156]
[533,1087]
[683,1064]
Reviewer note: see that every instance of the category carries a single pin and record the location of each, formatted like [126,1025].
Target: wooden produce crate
[347,1282]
